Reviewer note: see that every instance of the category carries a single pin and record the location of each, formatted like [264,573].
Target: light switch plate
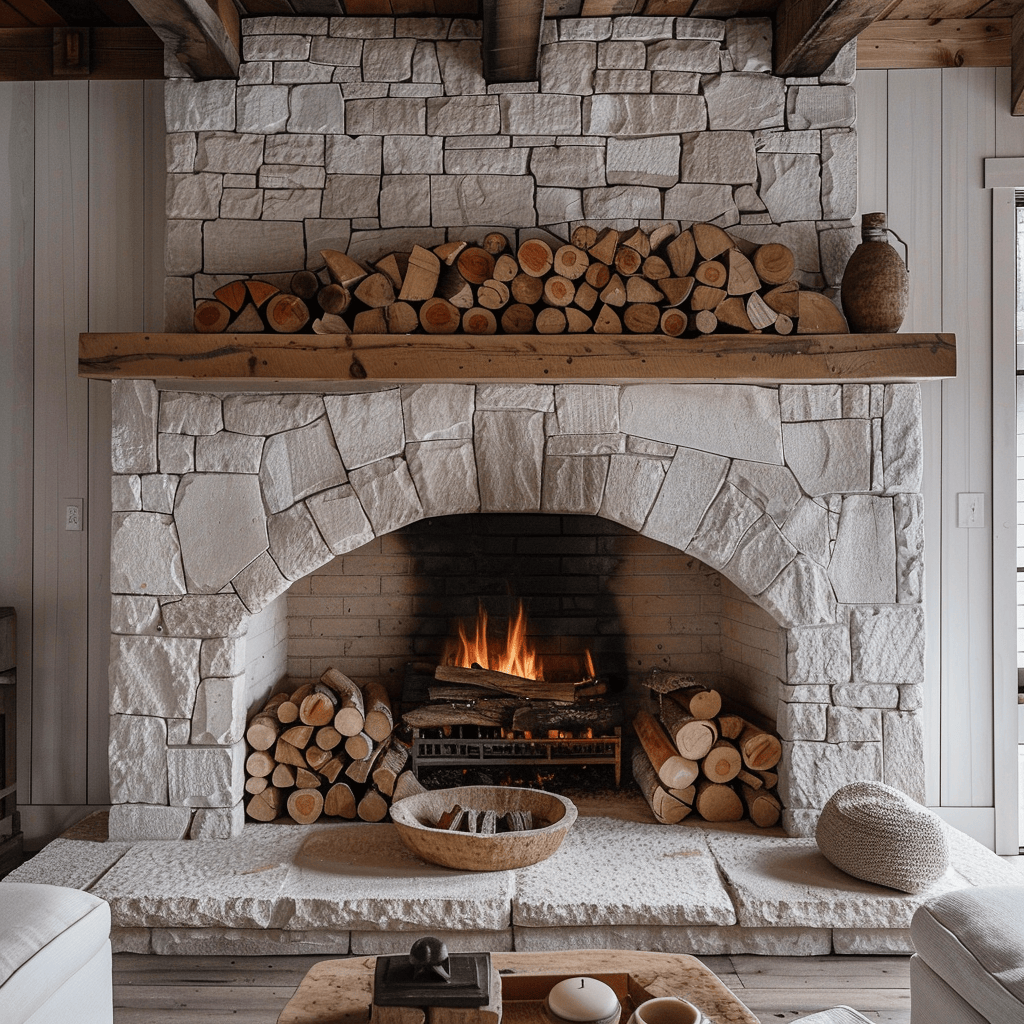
[74,510]
[970,511]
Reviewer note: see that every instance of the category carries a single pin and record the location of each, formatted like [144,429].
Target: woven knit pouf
[875,832]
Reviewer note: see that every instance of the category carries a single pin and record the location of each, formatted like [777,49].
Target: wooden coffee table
[340,991]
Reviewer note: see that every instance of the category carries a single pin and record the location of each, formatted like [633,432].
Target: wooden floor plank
[204,997]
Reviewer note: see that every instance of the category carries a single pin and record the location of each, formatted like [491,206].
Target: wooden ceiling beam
[206,41]
[511,39]
[1017,64]
[133,53]
[949,43]
[810,33]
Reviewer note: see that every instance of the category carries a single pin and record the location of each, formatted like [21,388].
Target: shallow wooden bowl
[414,817]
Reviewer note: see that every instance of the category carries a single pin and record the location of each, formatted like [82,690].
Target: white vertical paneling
[60,569]
[155,174]
[914,181]
[872,140]
[17,112]
[117,289]
[968,136]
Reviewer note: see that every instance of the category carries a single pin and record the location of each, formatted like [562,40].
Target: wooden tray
[523,995]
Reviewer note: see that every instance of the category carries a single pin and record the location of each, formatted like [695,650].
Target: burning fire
[517,657]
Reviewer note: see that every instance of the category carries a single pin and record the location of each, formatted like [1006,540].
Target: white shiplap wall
[81,210]
[81,213]
[924,136]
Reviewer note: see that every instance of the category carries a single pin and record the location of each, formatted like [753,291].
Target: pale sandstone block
[180,151]
[367,427]
[510,447]
[586,408]
[155,676]
[253,247]
[275,47]
[559,205]
[183,251]
[463,115]
[141,822]
[225,452]
[814,771]
[691,483]
[727,519]
[259,582]
[824,106]
[863,566]
[246,941]
[388,116]
[675,81]
[632,485]
[138,759]
[818,693]
[346,155]
[627,81]
[145,555]
[137,615]
[219,715]
[807,528]
[222,656]
[388,60]
[838,173]
[469,199]
[126,493]
[444,474]
[761,554]
[853,725]
[800,595]
[433,412]
[206,776]
[646,28]
[799,402]
[803,721]
[695,55]
[304,150]
[902,454]
[888,644]
[242,203]
[745,102]
[573,485]
[388,494]
[865,695]
[304,73]
[270,414]
[385,943]
[540,115]
[296,545]
[404,200]
[199,106]
[158,492]
[539,397]
[568,67]
[585,444]
[425,67]
[749,42]
[340,519]
[317,109]
[619,115]
[622,202]
[262,108]
[204,615]
[351,27]
[300,462]
[908,510]
[178,732]
[413,154]
[689,203]
[293,179]
[229,152]
[718,157]
[903,752]
[584,166]
[818,655]
[790,185]
[222,526]
[829,457]
[217,822]
[774,488]
[872,941]
[351,195]
[133,447]
[621,55]
[182,412]
[648,161]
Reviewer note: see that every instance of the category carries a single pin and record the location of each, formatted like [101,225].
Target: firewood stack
[326,749]
[695,757]
[694,282]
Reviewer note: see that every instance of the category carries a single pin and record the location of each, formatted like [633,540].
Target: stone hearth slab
[364,877]
[70,862]
[610,872]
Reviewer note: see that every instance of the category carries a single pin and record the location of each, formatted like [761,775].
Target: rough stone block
[584,166]
[138,759]
[761,554]
[158,492]
[242,203]
[802,721]
[183,412]
[270,414]
[126,493]
[872,941]
[774,488]
[790,185]
[744,102]
[134,415]
[133,823]
[199,106]
[571,27]
[818,655]
[853,725]
[829,457]
[219,715]
[634,114]
[719,157]
[366,427]
[217,822]
[194,195]
[298,463]
[888,644]
[691,483]
[685,202]
[646,28]
[155,676]
[649,161]
[726,520]
[387,116]
[385,943]
[800,595]
[275,47]
[413,154]
[206,776]
[387,493]
[902,454]
[463,115]
[632,485]
[585,444]
[586,408]
[510,447]
[222,526]
[908,510]
[444,473]
[259,582]
[814,771]
[180,151]
[434,412]
[863,566]
[539,397]
[225,452]
[245,941]
[622,202]
[145,555]
[183,251]
[573,485]
[528,114]
[229,152]
[471,199]
[903,752]
[568,67]
[262,108]
[799,402]
[821,106]
[205,615]
[349,156]
[625,82]
[253,247]
[222,656]
[388,60]
[625,56]
[694,55]
[136,615]
[296,545]
[838,173]
[340,519]
[749,42]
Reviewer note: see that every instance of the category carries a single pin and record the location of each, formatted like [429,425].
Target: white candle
[584,1000]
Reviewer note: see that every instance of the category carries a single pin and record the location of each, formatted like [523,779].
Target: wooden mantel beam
[810,33]
[511,39]
[205,40]
[524,358]
[1017,63]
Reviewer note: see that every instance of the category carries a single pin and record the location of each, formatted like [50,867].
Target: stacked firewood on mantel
[327,748]
[695,757]
[695,282]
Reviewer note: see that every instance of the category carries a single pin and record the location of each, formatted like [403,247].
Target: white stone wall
[805,496]
[371,134]
[266,651]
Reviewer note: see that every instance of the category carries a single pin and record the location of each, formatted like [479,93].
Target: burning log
[496,712]
[506,683]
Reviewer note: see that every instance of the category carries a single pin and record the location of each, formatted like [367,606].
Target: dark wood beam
[26,54]
[959,43]
[194,31]
[1017,64]
[513,357]
[810,33]
[511,39]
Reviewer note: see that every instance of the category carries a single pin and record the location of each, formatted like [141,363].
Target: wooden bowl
[414,817]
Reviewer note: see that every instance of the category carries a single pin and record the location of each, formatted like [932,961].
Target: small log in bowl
[414,817]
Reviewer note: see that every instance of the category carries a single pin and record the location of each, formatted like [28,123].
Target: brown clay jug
[876,282]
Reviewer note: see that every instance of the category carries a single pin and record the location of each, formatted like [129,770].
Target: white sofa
[55,965]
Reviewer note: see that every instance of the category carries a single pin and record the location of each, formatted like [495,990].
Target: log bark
[665,807]
[339,802]
[496,712]
[390,766]
[506,683]
[723,762]
[693,737]
[348,719]
[674,770]
[715,802]
[305,805]
[763,807]
[378,720]
[420,276]
[538,717]
[697,701]
[455,288]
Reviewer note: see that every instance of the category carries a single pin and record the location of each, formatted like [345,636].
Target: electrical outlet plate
[74,514]
[970,511]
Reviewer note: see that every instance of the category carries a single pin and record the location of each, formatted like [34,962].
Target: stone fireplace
[369,135]
[805,497]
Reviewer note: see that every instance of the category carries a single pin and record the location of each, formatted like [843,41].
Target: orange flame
[518,657]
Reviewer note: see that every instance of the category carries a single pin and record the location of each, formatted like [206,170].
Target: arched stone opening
[804,496]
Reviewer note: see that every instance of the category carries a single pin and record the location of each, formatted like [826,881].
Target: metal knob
[429,955]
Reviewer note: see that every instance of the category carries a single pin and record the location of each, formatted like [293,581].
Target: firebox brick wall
[369,135]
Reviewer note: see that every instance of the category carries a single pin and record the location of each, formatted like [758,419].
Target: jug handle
[906,250]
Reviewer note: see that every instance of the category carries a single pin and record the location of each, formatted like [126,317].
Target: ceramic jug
[876,282]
